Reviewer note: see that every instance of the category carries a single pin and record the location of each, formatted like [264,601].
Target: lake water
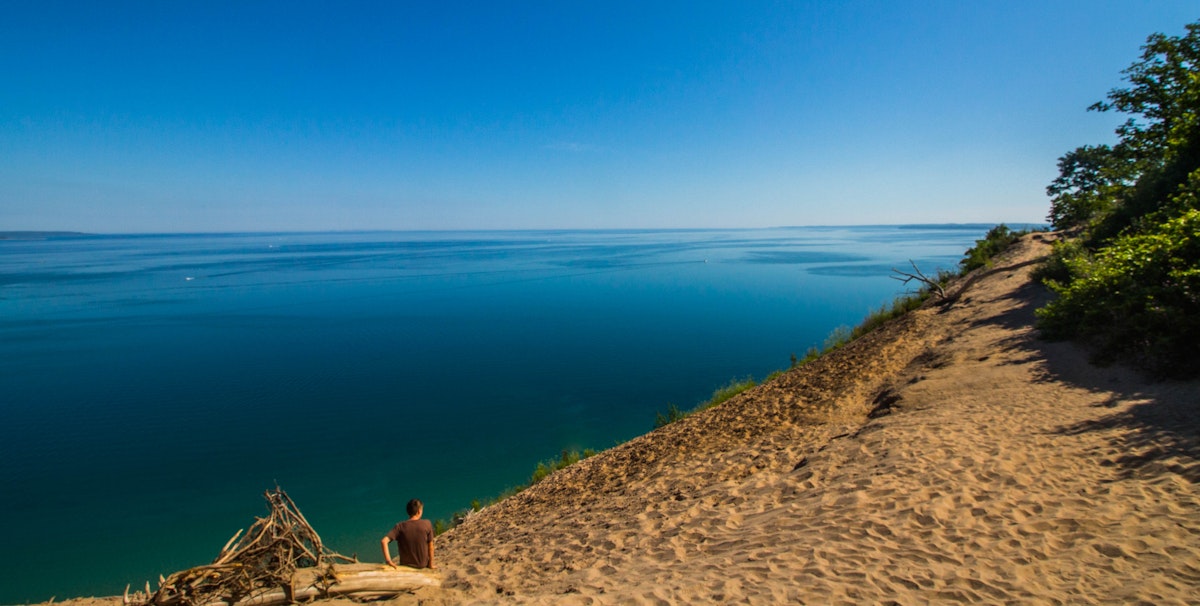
[153,386]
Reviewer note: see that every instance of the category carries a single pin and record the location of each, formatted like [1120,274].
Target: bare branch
[932,284]
[264,560]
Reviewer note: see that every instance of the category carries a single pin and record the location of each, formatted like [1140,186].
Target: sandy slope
[951,456]
[1009,469]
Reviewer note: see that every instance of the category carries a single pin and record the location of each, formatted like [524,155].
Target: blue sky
[242,116]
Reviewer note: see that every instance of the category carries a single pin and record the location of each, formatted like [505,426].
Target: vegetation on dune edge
[1128,281]
[980,255]
[1127,276]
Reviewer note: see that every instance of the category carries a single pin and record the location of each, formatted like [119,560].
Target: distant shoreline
[49,235]
[40,235]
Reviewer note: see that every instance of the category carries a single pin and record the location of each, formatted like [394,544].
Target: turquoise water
[153,386]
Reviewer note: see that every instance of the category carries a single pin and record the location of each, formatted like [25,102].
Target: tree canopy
[1130,284]
[1108,188]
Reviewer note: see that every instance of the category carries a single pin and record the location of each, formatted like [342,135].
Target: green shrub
[812,354]
[993,243]
[898,307]
[1139,296]
[837,338]
[727,391]
[719,395]
[540,472]
[566,459]
[673,414]
[1056,268]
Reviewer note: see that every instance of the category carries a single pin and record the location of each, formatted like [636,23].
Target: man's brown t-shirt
[412,538]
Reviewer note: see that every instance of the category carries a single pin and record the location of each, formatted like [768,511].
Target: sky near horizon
[127,117]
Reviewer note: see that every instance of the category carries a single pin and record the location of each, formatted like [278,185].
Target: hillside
[998,467]
[950,456]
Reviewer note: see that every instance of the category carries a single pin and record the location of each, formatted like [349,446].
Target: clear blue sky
[231,116]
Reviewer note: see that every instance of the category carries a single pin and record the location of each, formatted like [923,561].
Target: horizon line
[59,233]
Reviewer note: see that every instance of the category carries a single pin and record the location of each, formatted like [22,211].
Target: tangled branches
[264,560]
[933,284]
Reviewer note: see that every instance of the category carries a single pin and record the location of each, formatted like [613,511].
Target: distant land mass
[39,235]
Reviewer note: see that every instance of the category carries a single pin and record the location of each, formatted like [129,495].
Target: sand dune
[997,468]
[950,457]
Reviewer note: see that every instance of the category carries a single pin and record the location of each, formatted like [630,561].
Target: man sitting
[413,538]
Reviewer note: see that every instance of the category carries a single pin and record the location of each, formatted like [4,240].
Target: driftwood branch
[932,284]
[357,580]
[279,560]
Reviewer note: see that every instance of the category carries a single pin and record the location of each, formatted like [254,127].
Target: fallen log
[352,580]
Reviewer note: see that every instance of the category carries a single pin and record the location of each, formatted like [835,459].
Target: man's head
[415,507]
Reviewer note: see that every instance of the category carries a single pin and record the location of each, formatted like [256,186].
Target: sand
[952,456]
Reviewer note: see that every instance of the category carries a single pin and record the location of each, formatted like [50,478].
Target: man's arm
[431,566]
[387,556]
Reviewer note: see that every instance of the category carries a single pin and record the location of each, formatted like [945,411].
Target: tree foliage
[993,243]
[1131,283]
[1091,179]
[1139,297]
[1110,188]
[1162,98]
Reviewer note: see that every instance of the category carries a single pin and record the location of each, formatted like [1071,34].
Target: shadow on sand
[1162,426]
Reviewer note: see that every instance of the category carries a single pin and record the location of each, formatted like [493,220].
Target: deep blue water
[153,386]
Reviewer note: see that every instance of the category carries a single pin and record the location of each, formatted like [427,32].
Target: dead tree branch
[932,284]
[263,561]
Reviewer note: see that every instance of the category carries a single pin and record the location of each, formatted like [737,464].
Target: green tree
[1131,285]
[993,243]
[1160,142]
[1159,145]
[1139,297]
[1091,180]
[1163,97]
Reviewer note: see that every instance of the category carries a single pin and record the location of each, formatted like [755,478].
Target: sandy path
[1009,470]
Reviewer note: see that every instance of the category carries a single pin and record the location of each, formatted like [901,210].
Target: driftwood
[944,298]
[932,284]
[278,561]
[363,581]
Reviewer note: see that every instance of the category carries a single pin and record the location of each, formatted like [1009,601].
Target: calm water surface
[152,387]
